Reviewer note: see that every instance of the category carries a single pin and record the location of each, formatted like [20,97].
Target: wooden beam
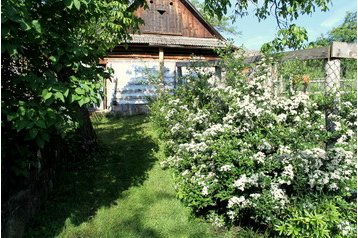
[161,54]
[337,50]
[198,63]
[252,59]
[161,64]
[343,50]
[186,46]
[316,53]
[143,56]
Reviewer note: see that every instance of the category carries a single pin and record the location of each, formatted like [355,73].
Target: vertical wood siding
[171,17]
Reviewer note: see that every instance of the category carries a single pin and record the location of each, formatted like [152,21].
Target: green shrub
[241,153]
[327,217]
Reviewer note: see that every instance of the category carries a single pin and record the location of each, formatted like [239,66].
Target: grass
[123,193]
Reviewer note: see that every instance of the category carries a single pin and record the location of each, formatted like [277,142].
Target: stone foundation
[130,109]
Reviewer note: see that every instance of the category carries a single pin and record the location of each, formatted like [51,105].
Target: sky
[255,33]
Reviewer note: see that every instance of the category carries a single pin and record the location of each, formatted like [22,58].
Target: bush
[321,217]
[244,155]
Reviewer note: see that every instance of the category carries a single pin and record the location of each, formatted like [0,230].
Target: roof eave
[186,46]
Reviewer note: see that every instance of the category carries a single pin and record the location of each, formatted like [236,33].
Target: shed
[173,31]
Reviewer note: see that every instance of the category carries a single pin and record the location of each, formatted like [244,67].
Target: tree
[50,52]
[346,32]
[285,12]
[222,24]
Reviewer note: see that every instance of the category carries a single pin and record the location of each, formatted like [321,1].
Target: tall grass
[122,193]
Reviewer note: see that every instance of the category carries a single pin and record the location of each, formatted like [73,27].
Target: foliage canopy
[285,12]
[222,24]
[50,52]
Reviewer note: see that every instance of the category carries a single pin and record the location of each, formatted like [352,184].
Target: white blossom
[278,194]
[241,182]
[345,228]
[205,190]
[240,201]
[255,195]
[259,157]
[281,117]
[225,168]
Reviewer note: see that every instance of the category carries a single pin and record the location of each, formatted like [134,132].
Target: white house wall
[130,85]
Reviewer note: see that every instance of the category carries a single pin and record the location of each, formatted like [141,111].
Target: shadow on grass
[123,162]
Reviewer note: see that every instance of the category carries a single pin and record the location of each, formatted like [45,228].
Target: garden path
[123,192]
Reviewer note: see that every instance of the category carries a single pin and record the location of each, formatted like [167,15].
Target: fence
[331,69]
[326,69]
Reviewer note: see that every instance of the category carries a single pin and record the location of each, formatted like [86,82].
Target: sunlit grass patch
[122,193]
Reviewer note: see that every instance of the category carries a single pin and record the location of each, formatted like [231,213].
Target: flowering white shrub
[240,152]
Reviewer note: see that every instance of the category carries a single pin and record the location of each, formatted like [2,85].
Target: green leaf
[40,123]
[11,117]
[53,59]
[83,101]
[59,95]
[10,47]
[75,97]
[80,91]
[66,93]
[24,25]
[77,4]
[68,3]
[21,125]
[37,26]
[22,110]
[86,87]
[30,125]
[46,94]
[72,98]
[33,133]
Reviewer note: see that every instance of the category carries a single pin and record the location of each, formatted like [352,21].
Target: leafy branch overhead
[50,52]
[285,12]
[222,24]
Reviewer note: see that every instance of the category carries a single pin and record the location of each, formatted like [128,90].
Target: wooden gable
[175,17]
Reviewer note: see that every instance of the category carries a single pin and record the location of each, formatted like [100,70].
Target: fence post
[272,79]
[332,87]
[333,76]
[161,65]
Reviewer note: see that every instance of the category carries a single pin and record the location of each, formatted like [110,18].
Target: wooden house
[173,31]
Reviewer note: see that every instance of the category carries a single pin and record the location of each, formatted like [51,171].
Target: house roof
[176,41]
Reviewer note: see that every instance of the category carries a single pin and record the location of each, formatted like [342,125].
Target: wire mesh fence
[317,76]
[328,77]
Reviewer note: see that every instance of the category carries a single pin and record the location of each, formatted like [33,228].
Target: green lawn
[123,193]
